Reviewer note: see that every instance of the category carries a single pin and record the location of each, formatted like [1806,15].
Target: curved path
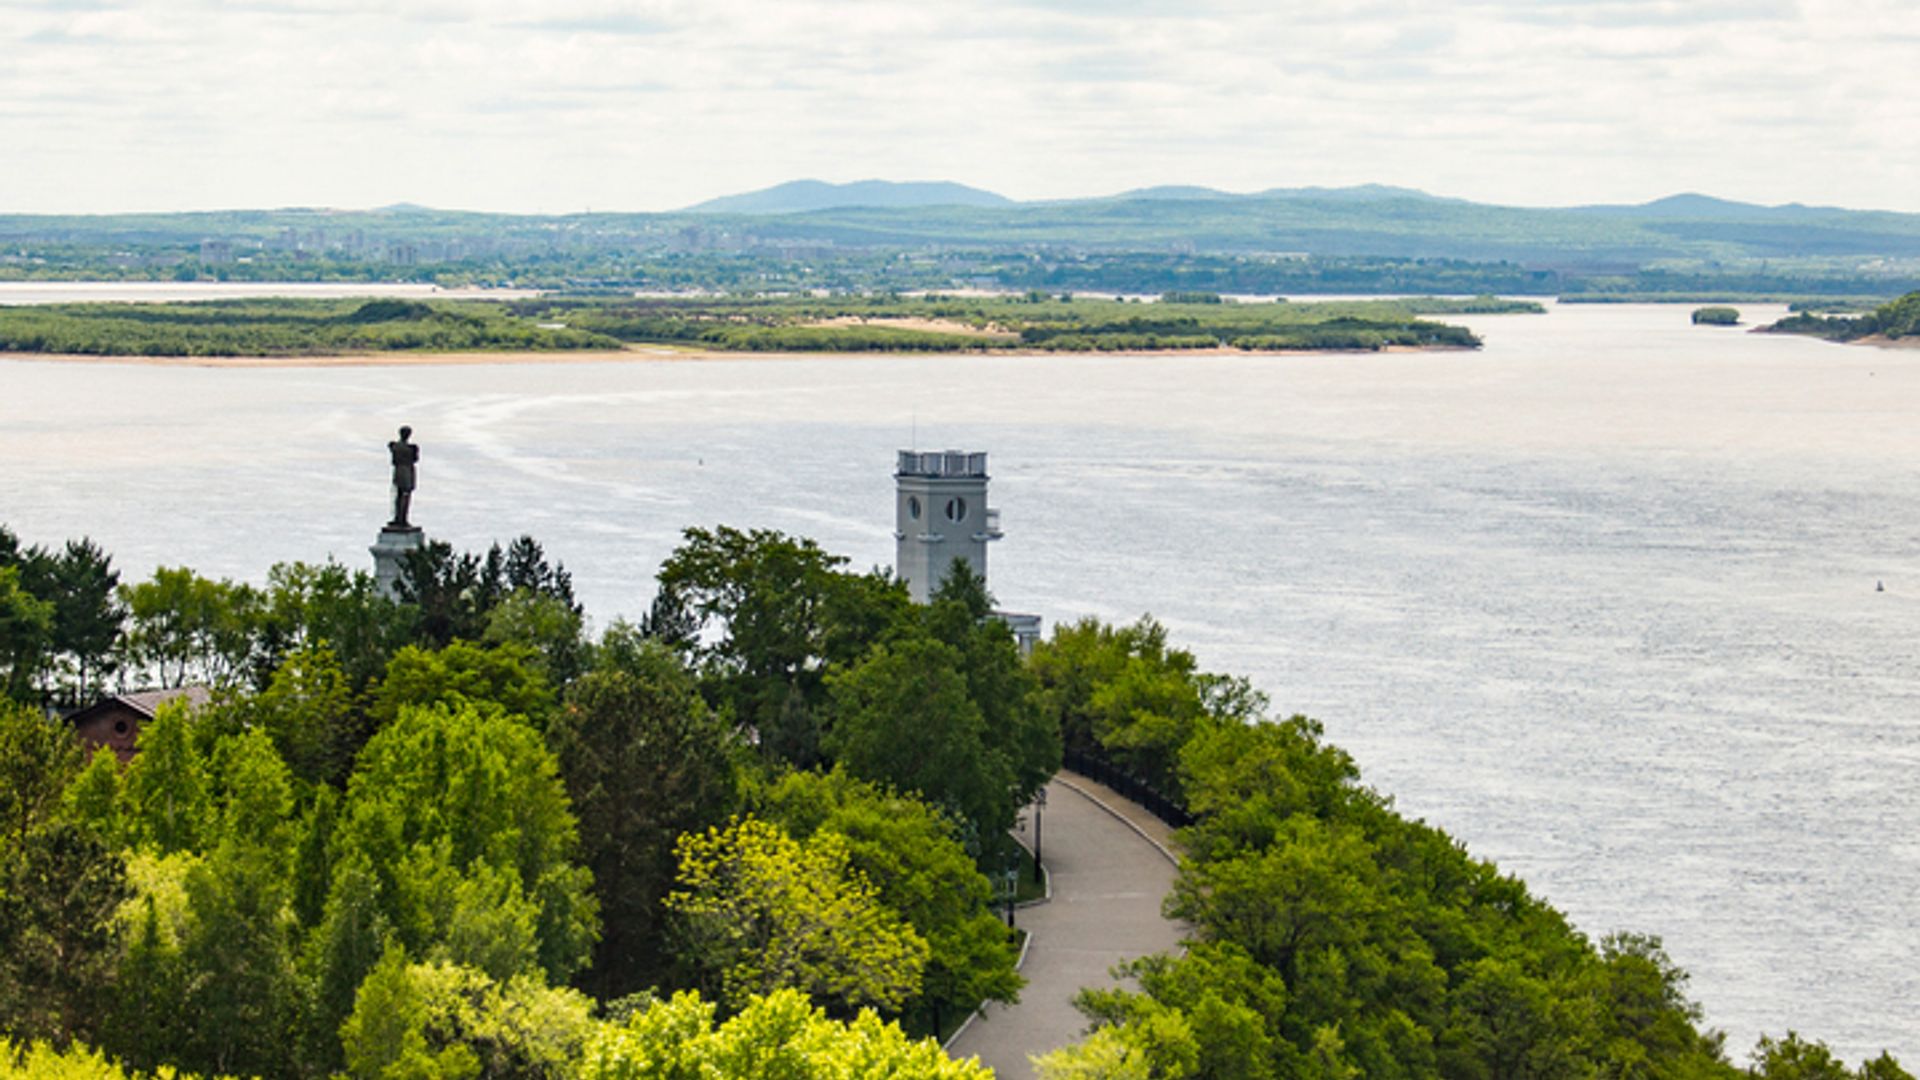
[1108,879]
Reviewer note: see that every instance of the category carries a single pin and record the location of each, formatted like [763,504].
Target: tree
[913,856]
[26,636]
[310,712]
[88,615]
[545,626]
[505,678]
[187,627]
[456,808]
[644,761]
[759,911]
[903,717]
[309,606]
[165,799]
[780,1035]
[59,889]
[38,757]
[785,611]
[443,1020]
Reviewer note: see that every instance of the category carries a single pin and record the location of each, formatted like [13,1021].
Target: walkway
[1108,881]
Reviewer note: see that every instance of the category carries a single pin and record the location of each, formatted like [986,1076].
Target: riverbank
[652,354]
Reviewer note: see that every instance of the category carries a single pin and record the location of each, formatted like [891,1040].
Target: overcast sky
[572,104]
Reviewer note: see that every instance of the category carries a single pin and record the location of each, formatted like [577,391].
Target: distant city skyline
[158,105]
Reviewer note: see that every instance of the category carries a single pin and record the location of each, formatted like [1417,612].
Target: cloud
[660,103]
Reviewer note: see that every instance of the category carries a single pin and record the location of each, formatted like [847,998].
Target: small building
[116,721]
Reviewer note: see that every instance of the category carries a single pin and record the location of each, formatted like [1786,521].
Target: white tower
[941,514]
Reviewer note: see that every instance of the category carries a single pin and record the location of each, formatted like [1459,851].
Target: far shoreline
[656,354]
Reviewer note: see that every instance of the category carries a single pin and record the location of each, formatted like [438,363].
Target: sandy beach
[654,354]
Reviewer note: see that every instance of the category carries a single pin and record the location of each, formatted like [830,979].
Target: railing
[943,463]
[1095,766]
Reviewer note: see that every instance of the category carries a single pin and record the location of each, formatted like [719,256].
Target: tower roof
[943,464]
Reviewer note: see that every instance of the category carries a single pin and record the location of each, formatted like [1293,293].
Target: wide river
[1599,599]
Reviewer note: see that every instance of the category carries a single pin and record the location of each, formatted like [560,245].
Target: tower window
[956,509]
[913,507]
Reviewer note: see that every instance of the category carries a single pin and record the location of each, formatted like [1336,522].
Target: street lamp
[1039,805]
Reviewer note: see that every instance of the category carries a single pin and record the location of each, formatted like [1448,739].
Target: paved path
[1108,881]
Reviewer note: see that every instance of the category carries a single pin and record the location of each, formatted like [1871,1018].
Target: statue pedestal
[390,551]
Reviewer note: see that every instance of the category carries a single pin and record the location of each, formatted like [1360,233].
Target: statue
[405,454]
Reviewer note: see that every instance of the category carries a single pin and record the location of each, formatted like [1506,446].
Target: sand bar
[652,354]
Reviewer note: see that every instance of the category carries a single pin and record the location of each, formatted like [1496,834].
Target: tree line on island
[884,323]
[452,834]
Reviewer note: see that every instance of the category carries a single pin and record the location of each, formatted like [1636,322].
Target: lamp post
[1039,806]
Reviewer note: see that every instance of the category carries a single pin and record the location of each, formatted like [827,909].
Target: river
[1599,599]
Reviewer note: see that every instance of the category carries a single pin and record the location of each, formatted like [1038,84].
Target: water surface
[1599,599]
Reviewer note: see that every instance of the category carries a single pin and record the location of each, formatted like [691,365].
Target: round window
[913,507]
[119,727]
[956,509]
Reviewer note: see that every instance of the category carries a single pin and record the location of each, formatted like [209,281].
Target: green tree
[784,611]
[185,627]
[26,636]
[780,1035]
[759,911]
[507,678]
[60,888]
[913,857]
[38,757]
[903,717]
[166,801]
[88,615]
[310,712]
[644,761]
[439,1020]
[444,791]
[309,606]
[547,627]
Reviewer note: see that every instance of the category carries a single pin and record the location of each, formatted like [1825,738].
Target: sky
[570,105]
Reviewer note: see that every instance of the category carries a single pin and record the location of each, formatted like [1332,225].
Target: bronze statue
[405,454]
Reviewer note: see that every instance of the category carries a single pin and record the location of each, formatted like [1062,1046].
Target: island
[1894,323]
[1716,316]
[621,326]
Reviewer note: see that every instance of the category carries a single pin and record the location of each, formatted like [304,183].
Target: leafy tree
[26,636]
[913,857]
[88,615]
[903,717]
[166,801]
[784,610]
[504,678]
[759,911]
[187,627]
[455,808]
[59,890]
[545,626]
[309,606]
[441,1020]
[644,761]
[38,757]
[779,1035]
[310,712]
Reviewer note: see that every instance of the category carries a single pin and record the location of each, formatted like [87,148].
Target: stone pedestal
[390,551]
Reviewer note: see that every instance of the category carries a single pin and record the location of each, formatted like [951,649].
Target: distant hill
[801,196]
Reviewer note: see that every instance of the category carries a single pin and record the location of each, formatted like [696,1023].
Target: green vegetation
[1035,322]
[849,324]
[1892,321]
[1333,937]
[453,836]
[277,328]
[1716,316]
